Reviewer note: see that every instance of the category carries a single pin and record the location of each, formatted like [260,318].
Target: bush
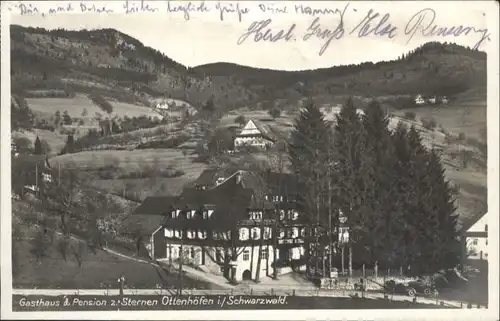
[149,171]
[240,120]
[410,115]
[429,123]
[172,142]
[275,112]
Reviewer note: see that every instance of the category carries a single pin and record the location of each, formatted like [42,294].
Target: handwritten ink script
[373,24]
[313,24]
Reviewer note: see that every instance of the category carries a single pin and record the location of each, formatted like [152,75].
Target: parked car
[422,287]
[399,288]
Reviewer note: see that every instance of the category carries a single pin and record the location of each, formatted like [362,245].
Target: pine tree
[439,243]
[379,241]
[38,146]
[308,156]
[399,229]
[352,173]
[70,142]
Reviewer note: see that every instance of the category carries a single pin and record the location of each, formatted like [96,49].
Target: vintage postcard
[249,160]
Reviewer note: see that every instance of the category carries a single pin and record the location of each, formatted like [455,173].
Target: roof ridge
[226,179]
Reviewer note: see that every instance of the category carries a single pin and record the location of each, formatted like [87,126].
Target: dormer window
[256,215]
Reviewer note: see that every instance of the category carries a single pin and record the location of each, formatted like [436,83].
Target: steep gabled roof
[466,224]
[155,205]
[264,130]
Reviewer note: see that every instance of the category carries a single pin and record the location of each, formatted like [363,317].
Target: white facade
[251,135]
[477,240]
[419,100]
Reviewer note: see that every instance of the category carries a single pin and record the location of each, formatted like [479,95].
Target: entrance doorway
[247,275]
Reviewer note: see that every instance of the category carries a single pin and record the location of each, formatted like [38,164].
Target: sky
[204,38]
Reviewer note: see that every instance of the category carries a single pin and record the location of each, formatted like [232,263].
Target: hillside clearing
[77,104]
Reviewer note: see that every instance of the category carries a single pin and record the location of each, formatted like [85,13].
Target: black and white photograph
[206,156]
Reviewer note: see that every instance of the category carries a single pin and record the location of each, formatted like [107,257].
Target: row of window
[264,254]
[289,215]
[253,233]
[191,214]
[280,198]
[174,251]
[254,215]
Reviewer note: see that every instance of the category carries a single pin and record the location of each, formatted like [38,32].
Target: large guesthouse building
[243,225]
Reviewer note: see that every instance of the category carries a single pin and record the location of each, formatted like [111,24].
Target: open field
[54,139]
[130,160]
[134,161]
[468,118]
[76,105]
[99,270]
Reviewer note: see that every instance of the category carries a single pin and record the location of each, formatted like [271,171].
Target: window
[169,233]
[255,233]
[256,215]
[282,233]
[267,233]
[190,234]
[295,215]
[295,232]
[218,255]
[188,214]
[202,235]
[193,253]
[263,254]
[282,214]
[246,255]
[243,234]
[474,241]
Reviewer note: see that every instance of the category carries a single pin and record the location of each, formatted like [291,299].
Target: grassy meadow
[77,104]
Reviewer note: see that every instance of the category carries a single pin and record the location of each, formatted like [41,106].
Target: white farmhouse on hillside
[432,100]
[254,134]
[444,100]
[476,238]
[419,100]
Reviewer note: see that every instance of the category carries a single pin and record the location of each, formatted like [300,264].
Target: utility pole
[36,179]
[181,259]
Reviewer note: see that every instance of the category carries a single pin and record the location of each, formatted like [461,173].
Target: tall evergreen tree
[438,237]
[352,173]
[308,156]
[38,146]
[379,241]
